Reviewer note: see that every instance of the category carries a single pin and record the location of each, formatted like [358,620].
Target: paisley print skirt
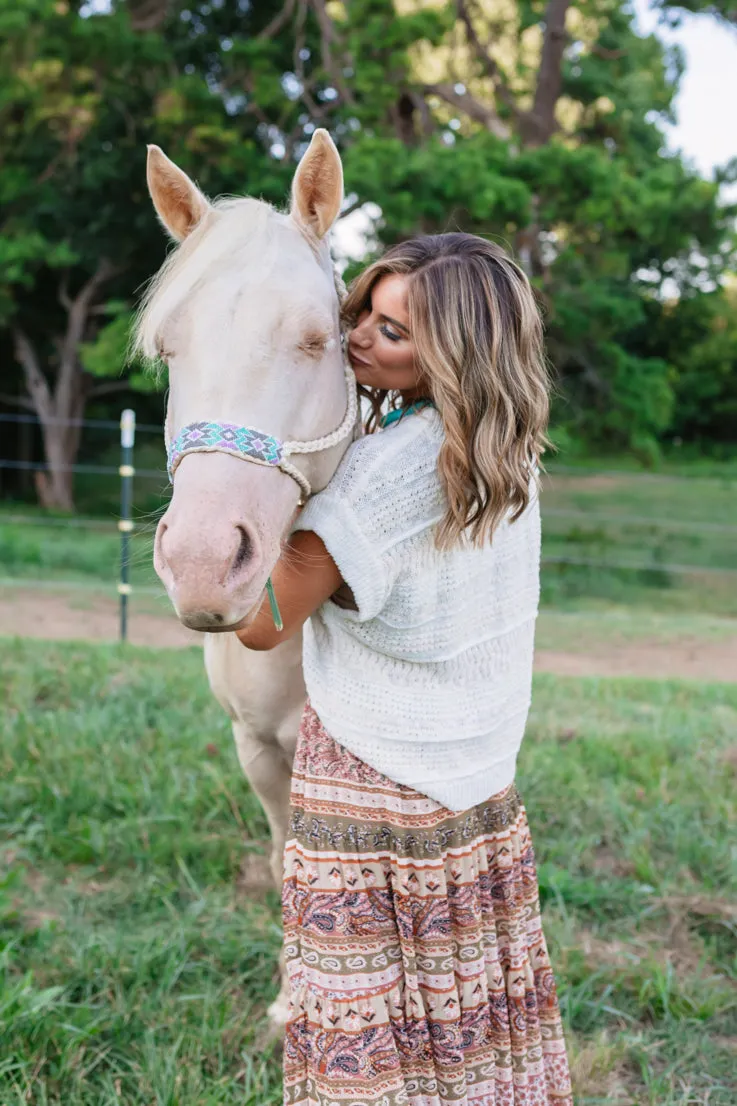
[418,970]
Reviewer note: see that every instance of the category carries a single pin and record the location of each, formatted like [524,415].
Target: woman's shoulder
[391,471]
[414,440]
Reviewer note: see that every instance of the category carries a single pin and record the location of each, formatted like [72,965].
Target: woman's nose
[360,336]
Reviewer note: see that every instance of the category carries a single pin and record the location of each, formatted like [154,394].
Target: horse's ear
[317,189]
[179,203]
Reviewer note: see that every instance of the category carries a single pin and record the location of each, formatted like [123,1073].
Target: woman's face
[380,347]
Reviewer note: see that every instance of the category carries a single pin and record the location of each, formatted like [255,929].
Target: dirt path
[94,617]
[89,616]
[654,660]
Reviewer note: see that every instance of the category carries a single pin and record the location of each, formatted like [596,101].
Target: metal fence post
[125,523]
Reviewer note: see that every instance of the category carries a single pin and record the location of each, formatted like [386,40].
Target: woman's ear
[178,201]
[317,189]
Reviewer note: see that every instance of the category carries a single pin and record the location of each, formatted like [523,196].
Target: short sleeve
[384,491]
[365,571]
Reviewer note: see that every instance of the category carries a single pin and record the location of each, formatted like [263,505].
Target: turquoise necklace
[395,416]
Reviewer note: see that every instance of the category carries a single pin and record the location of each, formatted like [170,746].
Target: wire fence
[98,470]
[104,424]
[550,512]
[584,521]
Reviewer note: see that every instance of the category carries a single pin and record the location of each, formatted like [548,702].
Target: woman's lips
[358,360]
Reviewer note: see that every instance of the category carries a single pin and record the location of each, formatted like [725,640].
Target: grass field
[606,539]
[78,551]
[646,524]
[134,971]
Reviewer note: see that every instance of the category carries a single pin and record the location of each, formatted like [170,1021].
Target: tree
[538,123]
[67,100]
[697,336]
[81,96]
[725,10]
[539,126]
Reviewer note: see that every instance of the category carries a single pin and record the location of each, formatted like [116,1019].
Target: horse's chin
[219,618]
[213,608]
[209,622]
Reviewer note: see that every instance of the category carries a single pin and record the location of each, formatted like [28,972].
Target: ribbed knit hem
[480,785]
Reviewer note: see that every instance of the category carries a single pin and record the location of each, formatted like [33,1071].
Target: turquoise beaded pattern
[226,437]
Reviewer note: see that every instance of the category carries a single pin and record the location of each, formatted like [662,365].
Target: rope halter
[250,444]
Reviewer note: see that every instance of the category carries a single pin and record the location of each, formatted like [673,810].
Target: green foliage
[111,347]
[722,9]
[438,187]
[698,335]
[80,97]
[611,228]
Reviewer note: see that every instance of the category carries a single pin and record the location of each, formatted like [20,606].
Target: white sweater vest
[429,680]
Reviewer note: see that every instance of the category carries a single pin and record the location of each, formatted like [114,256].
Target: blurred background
[551,128]
[597,141]
[591,138]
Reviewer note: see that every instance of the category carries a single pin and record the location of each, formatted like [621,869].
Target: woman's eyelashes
[390,334]
[387,332]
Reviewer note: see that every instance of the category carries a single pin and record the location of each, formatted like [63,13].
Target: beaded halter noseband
[250,444]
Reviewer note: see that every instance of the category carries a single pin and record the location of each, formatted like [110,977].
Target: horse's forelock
[249,225]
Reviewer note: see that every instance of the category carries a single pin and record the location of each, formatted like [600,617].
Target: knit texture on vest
[429,681]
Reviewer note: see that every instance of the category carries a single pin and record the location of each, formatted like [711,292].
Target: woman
[418,968]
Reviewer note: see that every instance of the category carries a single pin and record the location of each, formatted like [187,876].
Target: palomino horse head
[245,314]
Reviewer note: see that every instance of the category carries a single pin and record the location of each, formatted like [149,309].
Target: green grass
[643,525]
[639,523]
[600,626]
[688,461]
[133,971]
[70,551]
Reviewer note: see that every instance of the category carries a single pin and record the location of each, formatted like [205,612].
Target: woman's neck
[412,395]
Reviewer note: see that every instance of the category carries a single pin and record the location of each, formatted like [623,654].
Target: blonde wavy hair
[478,340]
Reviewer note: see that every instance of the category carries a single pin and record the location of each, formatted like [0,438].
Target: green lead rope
[275,612]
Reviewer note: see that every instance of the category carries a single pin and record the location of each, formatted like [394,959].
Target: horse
[245,314]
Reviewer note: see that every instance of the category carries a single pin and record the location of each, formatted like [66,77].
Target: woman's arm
[305,576]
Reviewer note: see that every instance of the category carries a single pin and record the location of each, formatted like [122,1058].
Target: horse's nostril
[160,562]
[243,553]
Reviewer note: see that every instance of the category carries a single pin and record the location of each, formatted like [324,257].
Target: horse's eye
[313,343]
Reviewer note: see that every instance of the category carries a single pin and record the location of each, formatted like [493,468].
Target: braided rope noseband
[250,444]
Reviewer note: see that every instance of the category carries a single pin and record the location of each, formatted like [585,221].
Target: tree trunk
[539,125]
[61,437]
[55,411]
[60,408]
[148,15]
[55,487]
